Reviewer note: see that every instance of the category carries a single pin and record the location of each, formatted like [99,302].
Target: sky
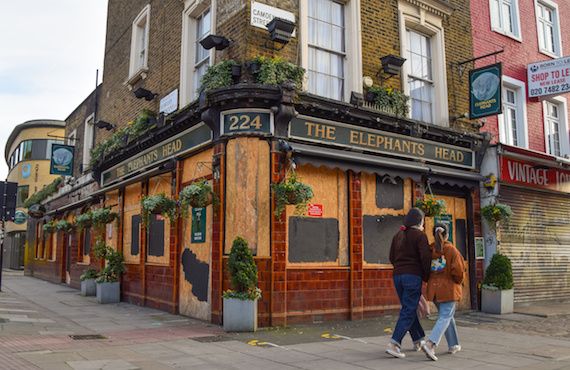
[49,53]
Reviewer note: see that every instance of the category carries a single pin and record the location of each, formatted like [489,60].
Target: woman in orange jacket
[444,288]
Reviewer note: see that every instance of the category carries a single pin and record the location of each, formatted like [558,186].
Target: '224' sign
[246,122]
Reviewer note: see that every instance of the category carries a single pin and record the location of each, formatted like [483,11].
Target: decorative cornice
[441,8]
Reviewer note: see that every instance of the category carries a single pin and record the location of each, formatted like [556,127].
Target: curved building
[27,154]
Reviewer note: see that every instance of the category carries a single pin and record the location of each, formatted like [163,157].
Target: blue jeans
[409,289]
[445,325]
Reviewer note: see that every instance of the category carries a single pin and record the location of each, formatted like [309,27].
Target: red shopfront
[537,238]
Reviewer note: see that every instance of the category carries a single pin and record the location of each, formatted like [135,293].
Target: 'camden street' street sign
[339,134]
[485,91]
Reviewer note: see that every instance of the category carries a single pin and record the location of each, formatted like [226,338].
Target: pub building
[537,237]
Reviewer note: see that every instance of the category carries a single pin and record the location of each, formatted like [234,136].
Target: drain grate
[87,337]
[212,339]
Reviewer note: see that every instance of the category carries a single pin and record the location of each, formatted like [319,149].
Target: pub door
[456,219]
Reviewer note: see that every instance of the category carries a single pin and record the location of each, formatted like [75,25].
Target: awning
[359,162]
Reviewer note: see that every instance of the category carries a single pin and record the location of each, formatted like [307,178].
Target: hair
[414,217]
[440,234]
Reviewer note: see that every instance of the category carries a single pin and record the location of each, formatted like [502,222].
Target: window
[512,123]
[72,138]
[26,150]
[22,194]
[505,17]
[202,57]
[139,42]
[420,81]
[88,141]
[548,28]
[556,127]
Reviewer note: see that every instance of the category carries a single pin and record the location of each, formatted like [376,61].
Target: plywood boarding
[156,185]
[368,183]
[195,272]
[131,208]
[248,194]
[330,190]
[54,246]
[112,229]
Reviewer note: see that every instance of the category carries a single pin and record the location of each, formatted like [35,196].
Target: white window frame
[192,10]
[135,69]
[88,141]
[414,17]
[522,128]
[564,126]
[71,138]
[353,45]
[557,43]
[499,28]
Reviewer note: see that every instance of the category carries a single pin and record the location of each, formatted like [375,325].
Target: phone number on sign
[550,90]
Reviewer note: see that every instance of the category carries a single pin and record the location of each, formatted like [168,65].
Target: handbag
[423,308]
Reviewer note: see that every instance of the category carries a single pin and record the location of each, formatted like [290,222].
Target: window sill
[509,35]
[141,74]
[548,53]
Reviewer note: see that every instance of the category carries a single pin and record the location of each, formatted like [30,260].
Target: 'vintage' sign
[517,172]
[184,142]
[339,134]
[551,77]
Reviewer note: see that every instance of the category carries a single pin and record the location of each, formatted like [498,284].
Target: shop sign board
[529,174]
[20,217]
[448,221]
[261,14]
[551,77]
[193,138]
[359,138]
[198,225]
[61,162]
[249,121]
[315,210]
[485,91]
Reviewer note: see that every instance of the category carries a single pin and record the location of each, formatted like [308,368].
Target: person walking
[411,257]
[445,289]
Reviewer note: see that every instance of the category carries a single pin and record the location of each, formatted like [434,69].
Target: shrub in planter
[158,204]
[217,76]
[103,216]
[497,292]
[291,192]
[494,213]
[49,227]
[277,71]
[196,195]
[431,206]
[84,220]
[88,287]
[389,100]
[65,226]
[240,303]
[108,285]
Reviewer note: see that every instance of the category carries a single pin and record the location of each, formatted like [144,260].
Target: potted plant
[430,206]
[196,195]
[49,227]
[497,291]
[217,76]
[158,204]
[389,100]
[277,71]
[291,192]
[88,287]
[494,213]
[240,304]
[103,216]
[108,286]
[84,220]
[65,226]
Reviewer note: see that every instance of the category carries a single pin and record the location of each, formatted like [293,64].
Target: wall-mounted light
[215,41]
[142,93]
[104,125]
[392,64]
[280,30]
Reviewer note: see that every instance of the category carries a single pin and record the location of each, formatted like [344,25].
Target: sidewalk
[37,319]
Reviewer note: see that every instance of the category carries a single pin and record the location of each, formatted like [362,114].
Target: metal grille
[537,239]
[87,336]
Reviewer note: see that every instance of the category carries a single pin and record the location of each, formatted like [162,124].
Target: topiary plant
[291,192]
[243,272]
[499,274]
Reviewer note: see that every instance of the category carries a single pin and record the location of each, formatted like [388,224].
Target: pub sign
[61,160]
[485,91]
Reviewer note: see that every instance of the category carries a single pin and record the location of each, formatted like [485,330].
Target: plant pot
[292,198]
[254,67]
[108,292]
[240,315]
[195,203]
[370,97]
[88,287]
[497,301]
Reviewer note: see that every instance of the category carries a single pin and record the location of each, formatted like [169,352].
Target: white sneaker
[418,345]
[454,349]
[395,351]
[430,353]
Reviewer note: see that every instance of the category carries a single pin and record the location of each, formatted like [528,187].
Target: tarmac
[50,326]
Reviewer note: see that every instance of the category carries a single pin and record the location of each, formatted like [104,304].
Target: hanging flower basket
[196,195]
[158,204]
[292,192]
[65,226]
[431,206]
[50,227]
[494,213]
[103,216]
[84,220]
[36,211]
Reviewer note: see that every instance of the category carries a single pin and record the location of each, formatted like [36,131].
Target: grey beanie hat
[414,217]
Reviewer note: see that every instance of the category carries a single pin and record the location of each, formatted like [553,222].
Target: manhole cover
[87,337]
[212,339]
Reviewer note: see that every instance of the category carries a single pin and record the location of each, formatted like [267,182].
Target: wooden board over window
[156,254]
[131,211]
[112,229]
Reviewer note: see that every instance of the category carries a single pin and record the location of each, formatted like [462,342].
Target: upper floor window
[326,42]
[512,123]
[548,27]
[22,194]
[139,42]
[88,141]
[202,56]
[35,149]
[556,126]
[420,76]
[505,17]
